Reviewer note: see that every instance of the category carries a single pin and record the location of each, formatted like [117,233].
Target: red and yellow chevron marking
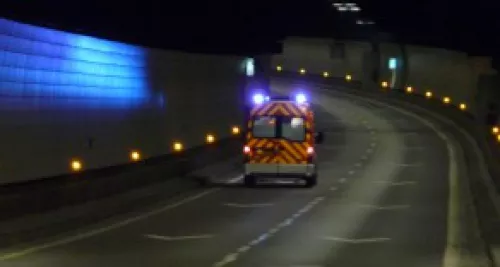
[289,152]
[278,109]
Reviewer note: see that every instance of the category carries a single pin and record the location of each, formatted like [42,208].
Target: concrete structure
[65,96]
[444,72]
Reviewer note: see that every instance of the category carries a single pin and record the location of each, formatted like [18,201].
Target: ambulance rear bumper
[280,170]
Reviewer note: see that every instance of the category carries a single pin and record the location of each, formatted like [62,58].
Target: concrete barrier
[444,72]
[43,208]
[41,196]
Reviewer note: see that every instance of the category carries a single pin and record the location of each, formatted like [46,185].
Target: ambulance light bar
[259,99]
[300,98]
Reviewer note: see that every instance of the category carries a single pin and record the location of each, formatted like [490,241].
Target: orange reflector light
[235,130]
[463,106]
[210,138]
[446,100]
[385,84]
[326,74]
[409,89]
[76,165]
[495,130]
[135,155]
[177,146]
[348,77]
[302,71]
[279,68]
[428,94]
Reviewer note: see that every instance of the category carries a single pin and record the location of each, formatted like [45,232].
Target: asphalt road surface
[381,200]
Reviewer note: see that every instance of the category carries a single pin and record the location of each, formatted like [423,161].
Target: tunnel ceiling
[255,26]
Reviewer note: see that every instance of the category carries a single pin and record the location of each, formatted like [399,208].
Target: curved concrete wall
[444,72]
[65,96]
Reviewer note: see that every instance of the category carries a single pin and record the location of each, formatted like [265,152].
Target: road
[381,200]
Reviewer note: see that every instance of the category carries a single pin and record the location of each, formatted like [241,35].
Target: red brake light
[310,150]
[246,149]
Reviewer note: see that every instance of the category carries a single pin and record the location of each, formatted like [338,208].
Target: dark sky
[237,25]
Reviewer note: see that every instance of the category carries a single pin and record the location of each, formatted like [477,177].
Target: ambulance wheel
[311,181]
[250,180]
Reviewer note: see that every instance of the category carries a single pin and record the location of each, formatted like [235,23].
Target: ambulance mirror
[318,137]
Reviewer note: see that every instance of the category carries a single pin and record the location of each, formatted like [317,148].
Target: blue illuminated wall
[65,95]
[40,62]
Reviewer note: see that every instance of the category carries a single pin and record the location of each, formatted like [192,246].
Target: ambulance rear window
[264,127]
[290,128]
[293,129]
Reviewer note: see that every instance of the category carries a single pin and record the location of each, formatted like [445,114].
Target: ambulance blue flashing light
[300,98]
[259,99]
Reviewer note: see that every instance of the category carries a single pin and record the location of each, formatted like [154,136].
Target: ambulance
[280,141]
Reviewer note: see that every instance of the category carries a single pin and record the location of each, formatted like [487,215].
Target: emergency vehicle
[280,140]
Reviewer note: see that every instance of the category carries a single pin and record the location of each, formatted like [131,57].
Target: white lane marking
[333,188]
[452,251]
[270,233]
[235,179]
[342,180]
[392,207]
[77,237]
[359,164]
[399,164]
[227,259]
[356,241]
[351,172]
[373,144]
[413,148]
[257,205]
[391,183]
[364,157]
[177,238]
[369,150]
[243,249]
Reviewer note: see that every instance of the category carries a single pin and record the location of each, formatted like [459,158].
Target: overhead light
[342,8]
[355,8]
[337,4]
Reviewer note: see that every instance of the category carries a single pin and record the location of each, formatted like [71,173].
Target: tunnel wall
[66,96]
[444,72]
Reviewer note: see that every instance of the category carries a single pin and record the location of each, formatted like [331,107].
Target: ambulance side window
[293,128]
[264,127]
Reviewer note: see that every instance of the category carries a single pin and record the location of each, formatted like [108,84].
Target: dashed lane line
[229,258]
